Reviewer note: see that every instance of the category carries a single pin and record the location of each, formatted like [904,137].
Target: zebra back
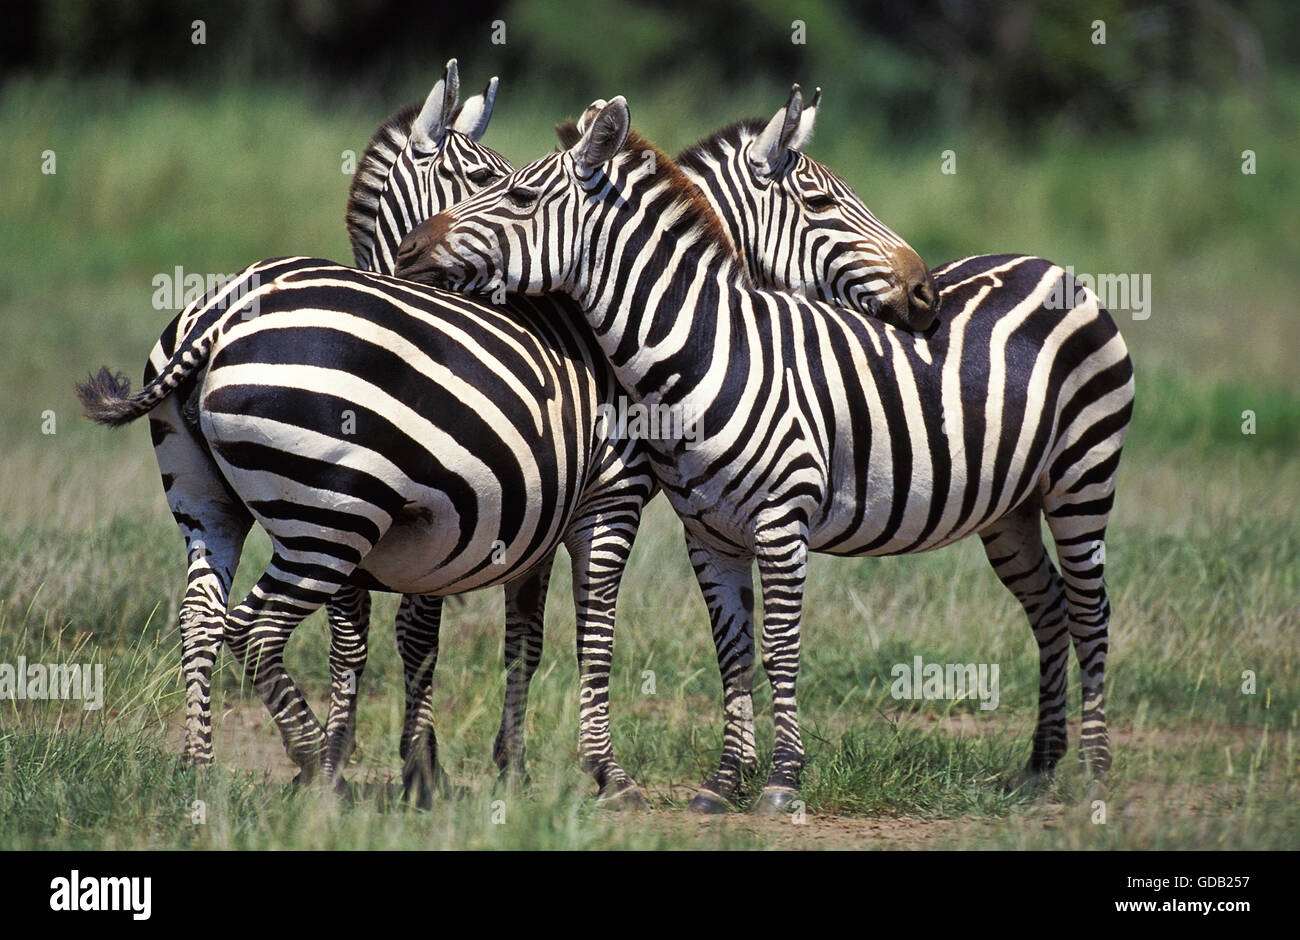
[893,442]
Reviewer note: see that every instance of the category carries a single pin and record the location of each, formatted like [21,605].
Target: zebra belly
[934,437]
[931,500]
[906,451]
[424,554]
[454,530]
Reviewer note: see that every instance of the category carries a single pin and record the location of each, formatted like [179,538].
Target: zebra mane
[698,155]
[699,213]
[372,174]
[569,134]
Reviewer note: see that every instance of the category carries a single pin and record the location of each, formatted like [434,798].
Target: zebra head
[420,161]
[545,225]
[800,227]
[496,238]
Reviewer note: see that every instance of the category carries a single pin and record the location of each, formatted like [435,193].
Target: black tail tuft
[107,398]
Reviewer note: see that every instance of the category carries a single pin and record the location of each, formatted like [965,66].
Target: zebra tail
[107,397]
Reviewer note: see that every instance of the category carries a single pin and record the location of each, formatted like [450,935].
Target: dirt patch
[828,833]
[1127,737]
[1197,736]
[244,738]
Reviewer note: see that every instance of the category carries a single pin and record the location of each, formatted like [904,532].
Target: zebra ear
[805,130]
[769,147]
[473,116]
[589,115]
[570,132]
[435,117]
[604,136]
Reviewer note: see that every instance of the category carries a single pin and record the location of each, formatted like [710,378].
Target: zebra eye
[522,196]
[819,202]
[481,176]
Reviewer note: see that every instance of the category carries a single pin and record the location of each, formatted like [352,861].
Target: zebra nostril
[923,298]
[409,249]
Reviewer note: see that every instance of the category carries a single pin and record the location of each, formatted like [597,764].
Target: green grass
[1193,609]
[1202,551]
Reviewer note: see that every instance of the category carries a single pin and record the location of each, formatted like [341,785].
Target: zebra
[413,165]
[720,167]
[849,243]
[823,430]
[755,170]
[218,328]
[386,436]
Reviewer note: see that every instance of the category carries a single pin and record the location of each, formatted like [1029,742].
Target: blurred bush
[913,64]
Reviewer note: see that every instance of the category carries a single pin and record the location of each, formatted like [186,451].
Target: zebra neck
[656,318]
[715,179]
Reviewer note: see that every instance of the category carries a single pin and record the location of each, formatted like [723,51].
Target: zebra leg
[525,613]
[728,586]
[258,630]
[783,571]
[214,525]
[213,553]
[349,618]
[599,559]
[1079,530]
[1014,547]
[418,621]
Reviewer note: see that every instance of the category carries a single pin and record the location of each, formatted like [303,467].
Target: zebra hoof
[344,791]
[452,792]
[418,790]
[775,800]
[708,803]
[627,799]
[421,799]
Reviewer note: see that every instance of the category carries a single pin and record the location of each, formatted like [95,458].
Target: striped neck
[714,165]
[655,287]
[708,182]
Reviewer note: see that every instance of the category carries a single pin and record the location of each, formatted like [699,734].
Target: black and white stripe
[412,168]
[757,164]
[264,369]
[822,429]
[385,436]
